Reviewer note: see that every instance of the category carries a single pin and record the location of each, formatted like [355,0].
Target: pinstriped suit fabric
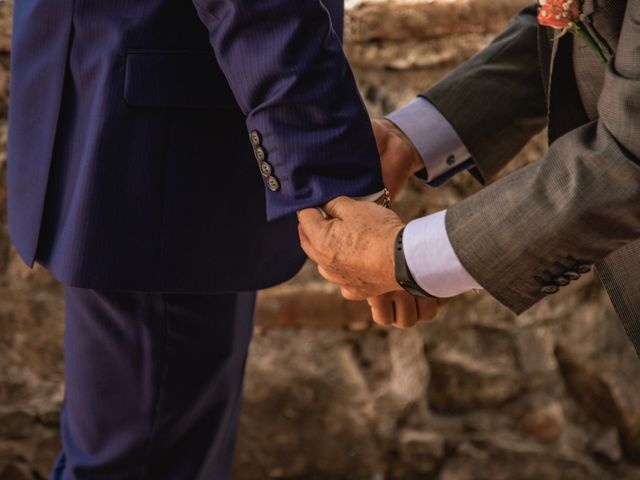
[153,184]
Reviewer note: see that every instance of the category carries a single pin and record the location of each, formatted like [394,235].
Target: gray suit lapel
[555,42]
[547,51]
[544,56]
[566,111]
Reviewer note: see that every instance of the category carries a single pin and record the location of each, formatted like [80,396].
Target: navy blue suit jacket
[130,165]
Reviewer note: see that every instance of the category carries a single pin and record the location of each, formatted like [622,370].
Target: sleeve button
[571,275]
[273,184]
[583,268]
[254,136]
[550,289]
[562,281]
[266,169]
[260,154]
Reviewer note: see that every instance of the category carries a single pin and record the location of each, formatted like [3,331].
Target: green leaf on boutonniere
[566,16]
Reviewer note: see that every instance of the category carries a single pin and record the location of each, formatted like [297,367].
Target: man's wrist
[438,144]
[412,161]
[390,272]
[403,275]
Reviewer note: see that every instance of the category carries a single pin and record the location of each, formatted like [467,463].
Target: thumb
[340,207]
[311,222]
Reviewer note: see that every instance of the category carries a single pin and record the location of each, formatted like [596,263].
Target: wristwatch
[403,274]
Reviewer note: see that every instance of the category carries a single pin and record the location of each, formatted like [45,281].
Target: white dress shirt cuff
[438,144]
[431,259]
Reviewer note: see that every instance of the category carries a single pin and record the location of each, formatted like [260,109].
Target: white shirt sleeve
[439,145]
[431,259]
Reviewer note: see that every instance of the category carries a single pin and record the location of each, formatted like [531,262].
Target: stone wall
[478,394]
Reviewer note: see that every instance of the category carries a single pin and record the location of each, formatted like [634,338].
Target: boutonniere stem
[566,16]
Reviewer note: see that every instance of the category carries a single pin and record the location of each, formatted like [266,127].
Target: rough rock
[409,371]
[545,423]
[5,249]
[407,55]
[15,471]
[368,20]
[6,14]
[462,377]
[4,85]
[503,459]
[312,302]
[609,395]
[421,451]
[311,418]
[607,446]
[397,373]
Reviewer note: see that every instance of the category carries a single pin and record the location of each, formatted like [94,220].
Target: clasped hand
[354,246]
[354,250]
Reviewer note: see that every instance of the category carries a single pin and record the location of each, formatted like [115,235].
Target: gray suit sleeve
[521,236]
[496,101]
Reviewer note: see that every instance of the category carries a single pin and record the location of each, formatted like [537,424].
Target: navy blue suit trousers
[153,384]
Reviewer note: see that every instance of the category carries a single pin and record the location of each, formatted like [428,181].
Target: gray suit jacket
[527,235]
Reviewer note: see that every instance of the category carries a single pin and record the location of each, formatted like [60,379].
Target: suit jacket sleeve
[496,100]
[520,237]
[288,72]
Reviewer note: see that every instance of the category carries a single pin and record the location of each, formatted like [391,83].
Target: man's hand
[398,156]
[401,310]
[355,247]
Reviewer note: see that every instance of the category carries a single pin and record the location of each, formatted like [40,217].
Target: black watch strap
[403,275]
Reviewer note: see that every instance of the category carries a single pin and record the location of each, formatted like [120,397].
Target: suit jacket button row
[267,172]
[265,167]
[564,280]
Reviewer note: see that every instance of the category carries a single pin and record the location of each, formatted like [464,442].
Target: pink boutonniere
[566,16]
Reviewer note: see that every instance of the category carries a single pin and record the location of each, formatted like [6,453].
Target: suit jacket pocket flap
[175,79]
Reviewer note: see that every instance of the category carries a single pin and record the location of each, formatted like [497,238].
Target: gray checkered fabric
[531,233]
